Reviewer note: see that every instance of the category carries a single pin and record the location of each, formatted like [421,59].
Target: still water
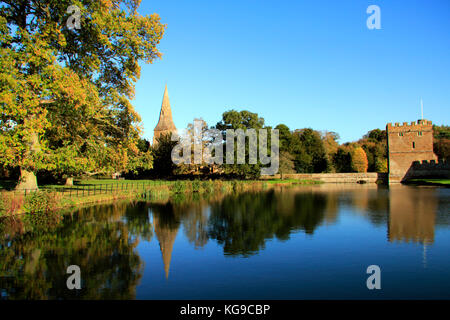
[288,243]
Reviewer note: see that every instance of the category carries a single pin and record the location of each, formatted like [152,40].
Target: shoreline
[14,204]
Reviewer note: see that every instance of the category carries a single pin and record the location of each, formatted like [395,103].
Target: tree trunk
[69,181]
[27,180]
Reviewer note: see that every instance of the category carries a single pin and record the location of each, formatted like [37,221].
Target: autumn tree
[359,160]
[65,92]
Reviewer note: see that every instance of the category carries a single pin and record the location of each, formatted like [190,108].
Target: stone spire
[165,124]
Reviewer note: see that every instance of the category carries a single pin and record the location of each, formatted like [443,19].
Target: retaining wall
[368,177]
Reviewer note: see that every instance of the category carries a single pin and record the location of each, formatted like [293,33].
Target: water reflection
[242,224]
[166,229]
[103,240]
[33,265]
[412,214]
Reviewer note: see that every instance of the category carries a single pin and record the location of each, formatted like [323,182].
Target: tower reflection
[412,214]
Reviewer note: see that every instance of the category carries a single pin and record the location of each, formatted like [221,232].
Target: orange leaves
[359,160]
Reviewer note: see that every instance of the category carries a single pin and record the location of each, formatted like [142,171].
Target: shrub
[10,203]
[38,202]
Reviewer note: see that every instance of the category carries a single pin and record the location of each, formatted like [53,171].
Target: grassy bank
[429,182]
[54,197]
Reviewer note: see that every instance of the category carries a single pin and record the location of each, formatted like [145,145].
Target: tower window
[400,134]
[414,145]
[419,133]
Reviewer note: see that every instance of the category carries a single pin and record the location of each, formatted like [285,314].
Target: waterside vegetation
[50,198]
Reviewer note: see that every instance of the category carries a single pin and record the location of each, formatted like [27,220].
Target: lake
[309,242]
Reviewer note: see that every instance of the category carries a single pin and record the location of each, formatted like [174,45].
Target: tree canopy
[65,92]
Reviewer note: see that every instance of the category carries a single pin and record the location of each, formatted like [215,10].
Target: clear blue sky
[302,63]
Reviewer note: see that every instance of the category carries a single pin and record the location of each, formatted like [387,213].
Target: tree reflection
[34,264]
[244,222]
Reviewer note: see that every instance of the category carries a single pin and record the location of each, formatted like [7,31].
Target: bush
[38,202]
[10,203]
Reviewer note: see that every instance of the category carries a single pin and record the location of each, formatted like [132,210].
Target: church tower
[165,124]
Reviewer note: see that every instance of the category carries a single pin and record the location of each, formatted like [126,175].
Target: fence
[96,189]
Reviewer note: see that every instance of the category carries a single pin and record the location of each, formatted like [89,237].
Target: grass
[430,182]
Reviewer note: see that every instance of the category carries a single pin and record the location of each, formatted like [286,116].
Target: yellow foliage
[359,160]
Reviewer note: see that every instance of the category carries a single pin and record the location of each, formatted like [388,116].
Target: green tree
[309,151]
[241,120]
[377,135]
[342,160]
[287,164]
[163,165]
[441,144]
[67,91]
[331,145]
[285,136]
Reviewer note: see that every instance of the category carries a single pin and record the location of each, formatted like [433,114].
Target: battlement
[431,164]
[412,126]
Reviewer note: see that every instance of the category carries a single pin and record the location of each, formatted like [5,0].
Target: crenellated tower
[408,143]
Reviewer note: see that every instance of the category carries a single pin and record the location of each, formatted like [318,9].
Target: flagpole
[421,107]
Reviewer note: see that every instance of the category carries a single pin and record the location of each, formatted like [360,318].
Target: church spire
[165,124]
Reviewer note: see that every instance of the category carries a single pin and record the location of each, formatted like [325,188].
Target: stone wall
[429,169]
[368,177]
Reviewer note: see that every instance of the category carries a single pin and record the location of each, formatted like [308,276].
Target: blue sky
[302,63]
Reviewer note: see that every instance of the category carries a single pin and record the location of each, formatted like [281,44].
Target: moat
[311,242]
